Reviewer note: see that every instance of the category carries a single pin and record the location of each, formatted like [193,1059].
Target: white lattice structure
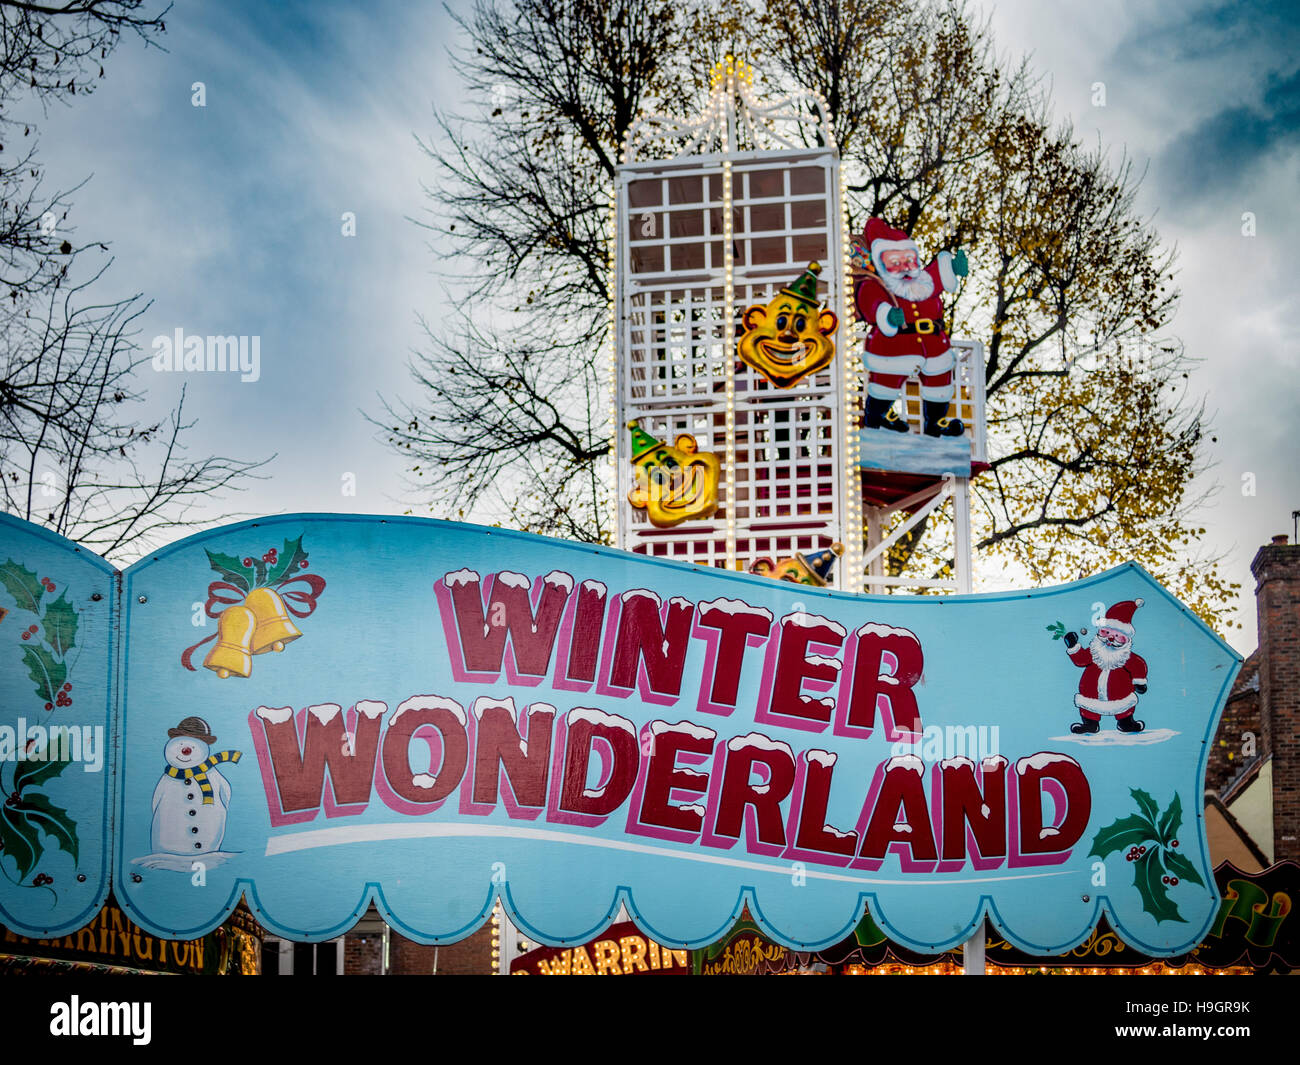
[968,398]
[713,215]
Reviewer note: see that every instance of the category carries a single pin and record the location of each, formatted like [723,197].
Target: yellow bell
[235,629]
[274,629]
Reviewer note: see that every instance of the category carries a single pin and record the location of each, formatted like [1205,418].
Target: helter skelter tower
[721,458]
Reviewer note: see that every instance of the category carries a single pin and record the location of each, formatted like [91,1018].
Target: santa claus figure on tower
[901,301]
[1113,676]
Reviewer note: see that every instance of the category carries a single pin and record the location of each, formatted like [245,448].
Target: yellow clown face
[676,483]
[812,569]
[787,339]
[788,569]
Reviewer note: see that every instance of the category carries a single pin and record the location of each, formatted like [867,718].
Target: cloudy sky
[230,218]
[1206,97]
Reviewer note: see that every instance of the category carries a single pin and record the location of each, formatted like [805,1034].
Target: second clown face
[789,338]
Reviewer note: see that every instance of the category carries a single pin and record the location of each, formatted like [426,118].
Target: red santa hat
[1120,617]
[881,237]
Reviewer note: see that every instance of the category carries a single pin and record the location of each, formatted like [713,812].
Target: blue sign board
[321,711]
[58,624]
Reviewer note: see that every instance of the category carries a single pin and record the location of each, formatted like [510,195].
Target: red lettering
[500,748]
[813,833]
[743,753]
[583,731]
[644,638]
[902,786]
[737,626]
[299,767]
[965,804]
[799,632]
[887,663]
[482,632]
[1072,788]
[422,717]
[588,621]
[663,776]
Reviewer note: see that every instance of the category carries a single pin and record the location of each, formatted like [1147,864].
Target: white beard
[1107,657]
[914,289]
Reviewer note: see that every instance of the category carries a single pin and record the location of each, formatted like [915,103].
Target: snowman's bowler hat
[194,727]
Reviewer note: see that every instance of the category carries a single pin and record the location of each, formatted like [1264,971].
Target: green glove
[895,317]
[959,265]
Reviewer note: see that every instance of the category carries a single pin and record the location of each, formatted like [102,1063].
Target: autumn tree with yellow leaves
[1093,440]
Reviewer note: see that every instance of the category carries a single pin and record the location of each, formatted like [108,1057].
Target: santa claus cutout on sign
[1113,676]
[900,300]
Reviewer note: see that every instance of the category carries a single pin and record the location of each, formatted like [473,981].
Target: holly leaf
[22,584]
[60,625]
[1149,807]
[1131,831]
[287,563]
[55,821]
[47,673]
[1155,895]
[20,839]
[31,772]
[1182,868]
[231,570]
[1173,817]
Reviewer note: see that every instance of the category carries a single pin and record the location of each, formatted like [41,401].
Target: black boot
[937,422]
[1128,723]
[881,415]
[1084,727]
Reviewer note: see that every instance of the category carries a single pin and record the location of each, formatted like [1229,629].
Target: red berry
[1173,881]
[1142,849]
[49,706]
[302,564]
[247,562]
[1174,843]
[68,687]
[27,635]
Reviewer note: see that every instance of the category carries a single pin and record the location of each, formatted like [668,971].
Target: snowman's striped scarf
[199,774]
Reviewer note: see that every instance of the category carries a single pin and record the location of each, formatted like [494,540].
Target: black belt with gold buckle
[923,326]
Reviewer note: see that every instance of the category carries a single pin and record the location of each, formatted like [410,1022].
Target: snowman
[190,802]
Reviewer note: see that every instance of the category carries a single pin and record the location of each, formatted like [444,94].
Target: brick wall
[1240,720]
[363,955]
[469,957]
[1277,595]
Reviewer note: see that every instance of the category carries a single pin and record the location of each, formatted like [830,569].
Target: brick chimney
[1277,596]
